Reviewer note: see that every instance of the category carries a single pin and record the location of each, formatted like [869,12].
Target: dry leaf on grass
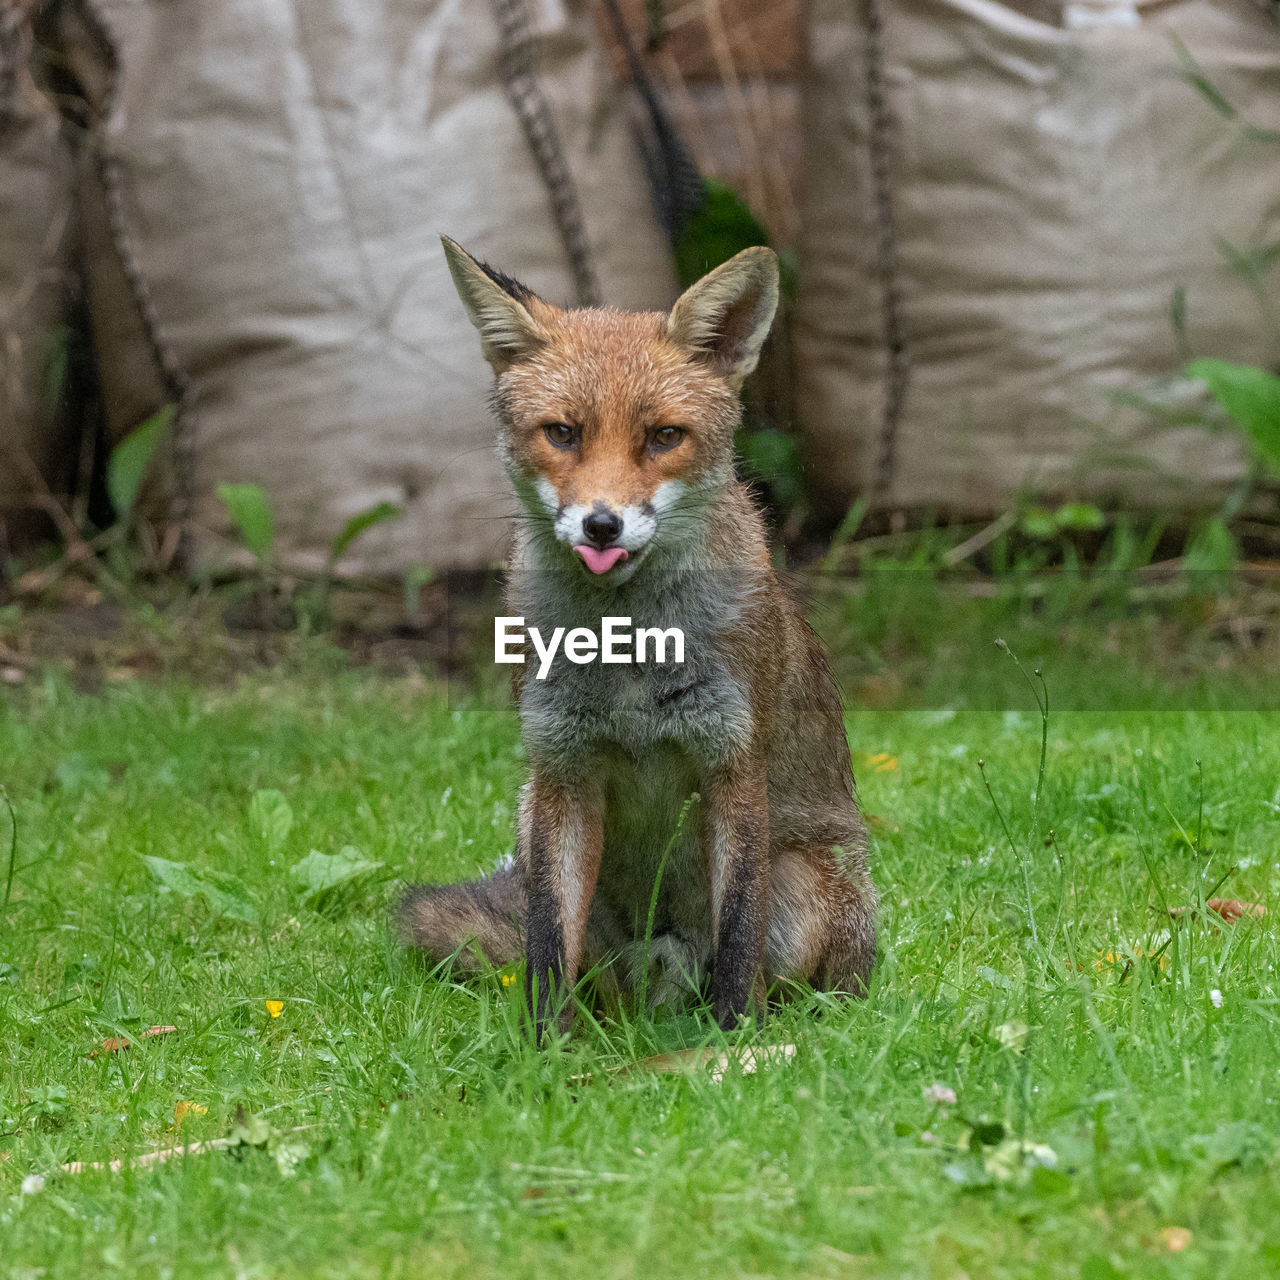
[1232,909]
[1175,1239]
[1229,909]
[689,1061]
[882,762]
[114,1044]
[686,1061]
[150,1157]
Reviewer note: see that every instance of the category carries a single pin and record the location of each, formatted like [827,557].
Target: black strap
[674,178]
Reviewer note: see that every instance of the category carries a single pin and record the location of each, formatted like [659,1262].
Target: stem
[1013,845]
[653,897]
[1200,812]
[13,853]
[1041,695]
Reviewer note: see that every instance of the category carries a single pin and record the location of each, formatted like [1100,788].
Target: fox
[681,824]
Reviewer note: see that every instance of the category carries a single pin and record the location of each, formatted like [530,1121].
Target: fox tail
[474,925]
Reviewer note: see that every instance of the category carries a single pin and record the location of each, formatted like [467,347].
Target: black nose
[601,526]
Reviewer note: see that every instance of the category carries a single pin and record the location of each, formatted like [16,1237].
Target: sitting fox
[680,820]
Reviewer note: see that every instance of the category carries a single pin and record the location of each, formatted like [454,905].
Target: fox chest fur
[646,733]
[579,709]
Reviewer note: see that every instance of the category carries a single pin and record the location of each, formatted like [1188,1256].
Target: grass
[1107,1100]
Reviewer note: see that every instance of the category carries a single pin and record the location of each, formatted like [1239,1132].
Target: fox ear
[724,319]
[498,307]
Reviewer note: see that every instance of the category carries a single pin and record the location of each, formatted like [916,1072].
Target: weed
[304,603]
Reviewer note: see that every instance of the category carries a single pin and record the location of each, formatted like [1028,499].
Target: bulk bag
[265,185]
[999,212]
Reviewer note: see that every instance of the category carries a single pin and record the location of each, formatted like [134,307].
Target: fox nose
[601,526]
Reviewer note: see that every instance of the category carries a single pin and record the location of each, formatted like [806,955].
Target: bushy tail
[476,923]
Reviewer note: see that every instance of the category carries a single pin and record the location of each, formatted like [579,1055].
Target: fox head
[617,427]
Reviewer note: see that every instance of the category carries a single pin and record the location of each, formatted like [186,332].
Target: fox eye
[664,438]
[561,434]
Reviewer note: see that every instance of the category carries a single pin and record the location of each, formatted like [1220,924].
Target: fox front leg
[563,833]
[736,841]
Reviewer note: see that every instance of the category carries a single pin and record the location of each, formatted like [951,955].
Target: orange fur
[617,432]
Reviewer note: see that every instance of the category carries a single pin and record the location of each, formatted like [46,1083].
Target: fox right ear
[724,318]
[498,306]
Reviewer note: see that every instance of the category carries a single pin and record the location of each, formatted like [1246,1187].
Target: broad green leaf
[174,875]
[358,523]
[1079,515]
[722,227]
[1013,1035]
[130,459]
[248,507]
[1251,397]
[45,1101]
[117,1003]
[224,893]
[773,456]
[1211,551]
[1038,523]
[320,874]
[271,818]
[986,1133]
[231,905]
[416,576]
[250,1130]
[290,1153]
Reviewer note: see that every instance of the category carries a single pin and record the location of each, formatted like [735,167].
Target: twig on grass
[685,1062]
[164,1154]
[980,540]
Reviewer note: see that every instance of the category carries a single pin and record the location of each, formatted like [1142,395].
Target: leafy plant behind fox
[616,430]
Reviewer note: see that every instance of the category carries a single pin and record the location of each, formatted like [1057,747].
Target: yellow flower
[182,1109]
[883,762]
[275,1007]
[1106,958]
[508,979]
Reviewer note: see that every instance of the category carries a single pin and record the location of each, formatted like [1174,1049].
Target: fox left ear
[499,307]
[725,318]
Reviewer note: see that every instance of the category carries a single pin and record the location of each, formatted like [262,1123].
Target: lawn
[1050,1077]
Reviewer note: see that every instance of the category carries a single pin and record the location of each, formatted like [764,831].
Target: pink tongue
[600,561]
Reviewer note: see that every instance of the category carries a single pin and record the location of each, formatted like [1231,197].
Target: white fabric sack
[1052,186]
[285,171]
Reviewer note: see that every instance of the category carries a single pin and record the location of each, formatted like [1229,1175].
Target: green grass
[439,1144]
